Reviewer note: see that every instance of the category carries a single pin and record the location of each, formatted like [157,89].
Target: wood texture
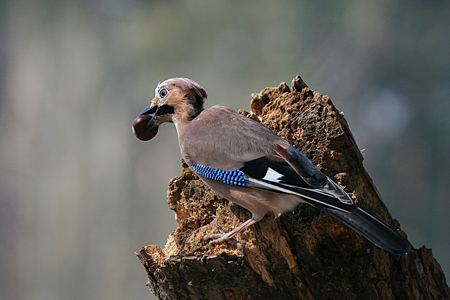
[302,254]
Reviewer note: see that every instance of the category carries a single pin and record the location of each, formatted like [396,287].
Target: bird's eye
[163,93]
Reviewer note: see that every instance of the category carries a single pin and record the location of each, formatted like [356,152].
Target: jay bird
[248,164]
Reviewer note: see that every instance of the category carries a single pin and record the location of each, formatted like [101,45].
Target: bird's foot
[221,237]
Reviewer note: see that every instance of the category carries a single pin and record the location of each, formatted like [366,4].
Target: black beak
[149,110]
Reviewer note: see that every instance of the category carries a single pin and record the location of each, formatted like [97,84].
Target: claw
[221,237]
[229,236]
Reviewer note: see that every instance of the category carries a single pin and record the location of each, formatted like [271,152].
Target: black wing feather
[256,168]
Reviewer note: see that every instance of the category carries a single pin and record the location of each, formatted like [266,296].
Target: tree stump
[301,254]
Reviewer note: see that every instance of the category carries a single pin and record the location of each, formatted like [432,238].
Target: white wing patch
[272,175]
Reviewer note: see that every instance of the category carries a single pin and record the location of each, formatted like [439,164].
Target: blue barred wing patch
[236,177]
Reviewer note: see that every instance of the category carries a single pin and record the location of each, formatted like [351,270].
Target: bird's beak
[144,127]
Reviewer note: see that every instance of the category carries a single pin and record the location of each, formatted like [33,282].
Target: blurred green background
[79,193]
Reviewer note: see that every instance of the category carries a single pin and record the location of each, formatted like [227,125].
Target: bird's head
[176,100]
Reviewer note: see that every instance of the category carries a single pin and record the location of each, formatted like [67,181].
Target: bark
[302,254]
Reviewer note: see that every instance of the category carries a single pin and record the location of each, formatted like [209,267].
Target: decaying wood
[302,254]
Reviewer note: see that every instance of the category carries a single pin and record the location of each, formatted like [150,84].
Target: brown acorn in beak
[144,127]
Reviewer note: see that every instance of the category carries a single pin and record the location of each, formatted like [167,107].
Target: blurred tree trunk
[302,254]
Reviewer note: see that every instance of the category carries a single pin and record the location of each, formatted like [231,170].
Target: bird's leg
[222,237]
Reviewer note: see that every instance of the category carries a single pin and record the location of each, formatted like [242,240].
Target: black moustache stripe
[164,109]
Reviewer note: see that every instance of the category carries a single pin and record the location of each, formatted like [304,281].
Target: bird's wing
[271,174]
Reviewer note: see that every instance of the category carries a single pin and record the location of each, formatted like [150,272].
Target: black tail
[371,228]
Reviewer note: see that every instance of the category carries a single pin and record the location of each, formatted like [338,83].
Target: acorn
[144,127]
